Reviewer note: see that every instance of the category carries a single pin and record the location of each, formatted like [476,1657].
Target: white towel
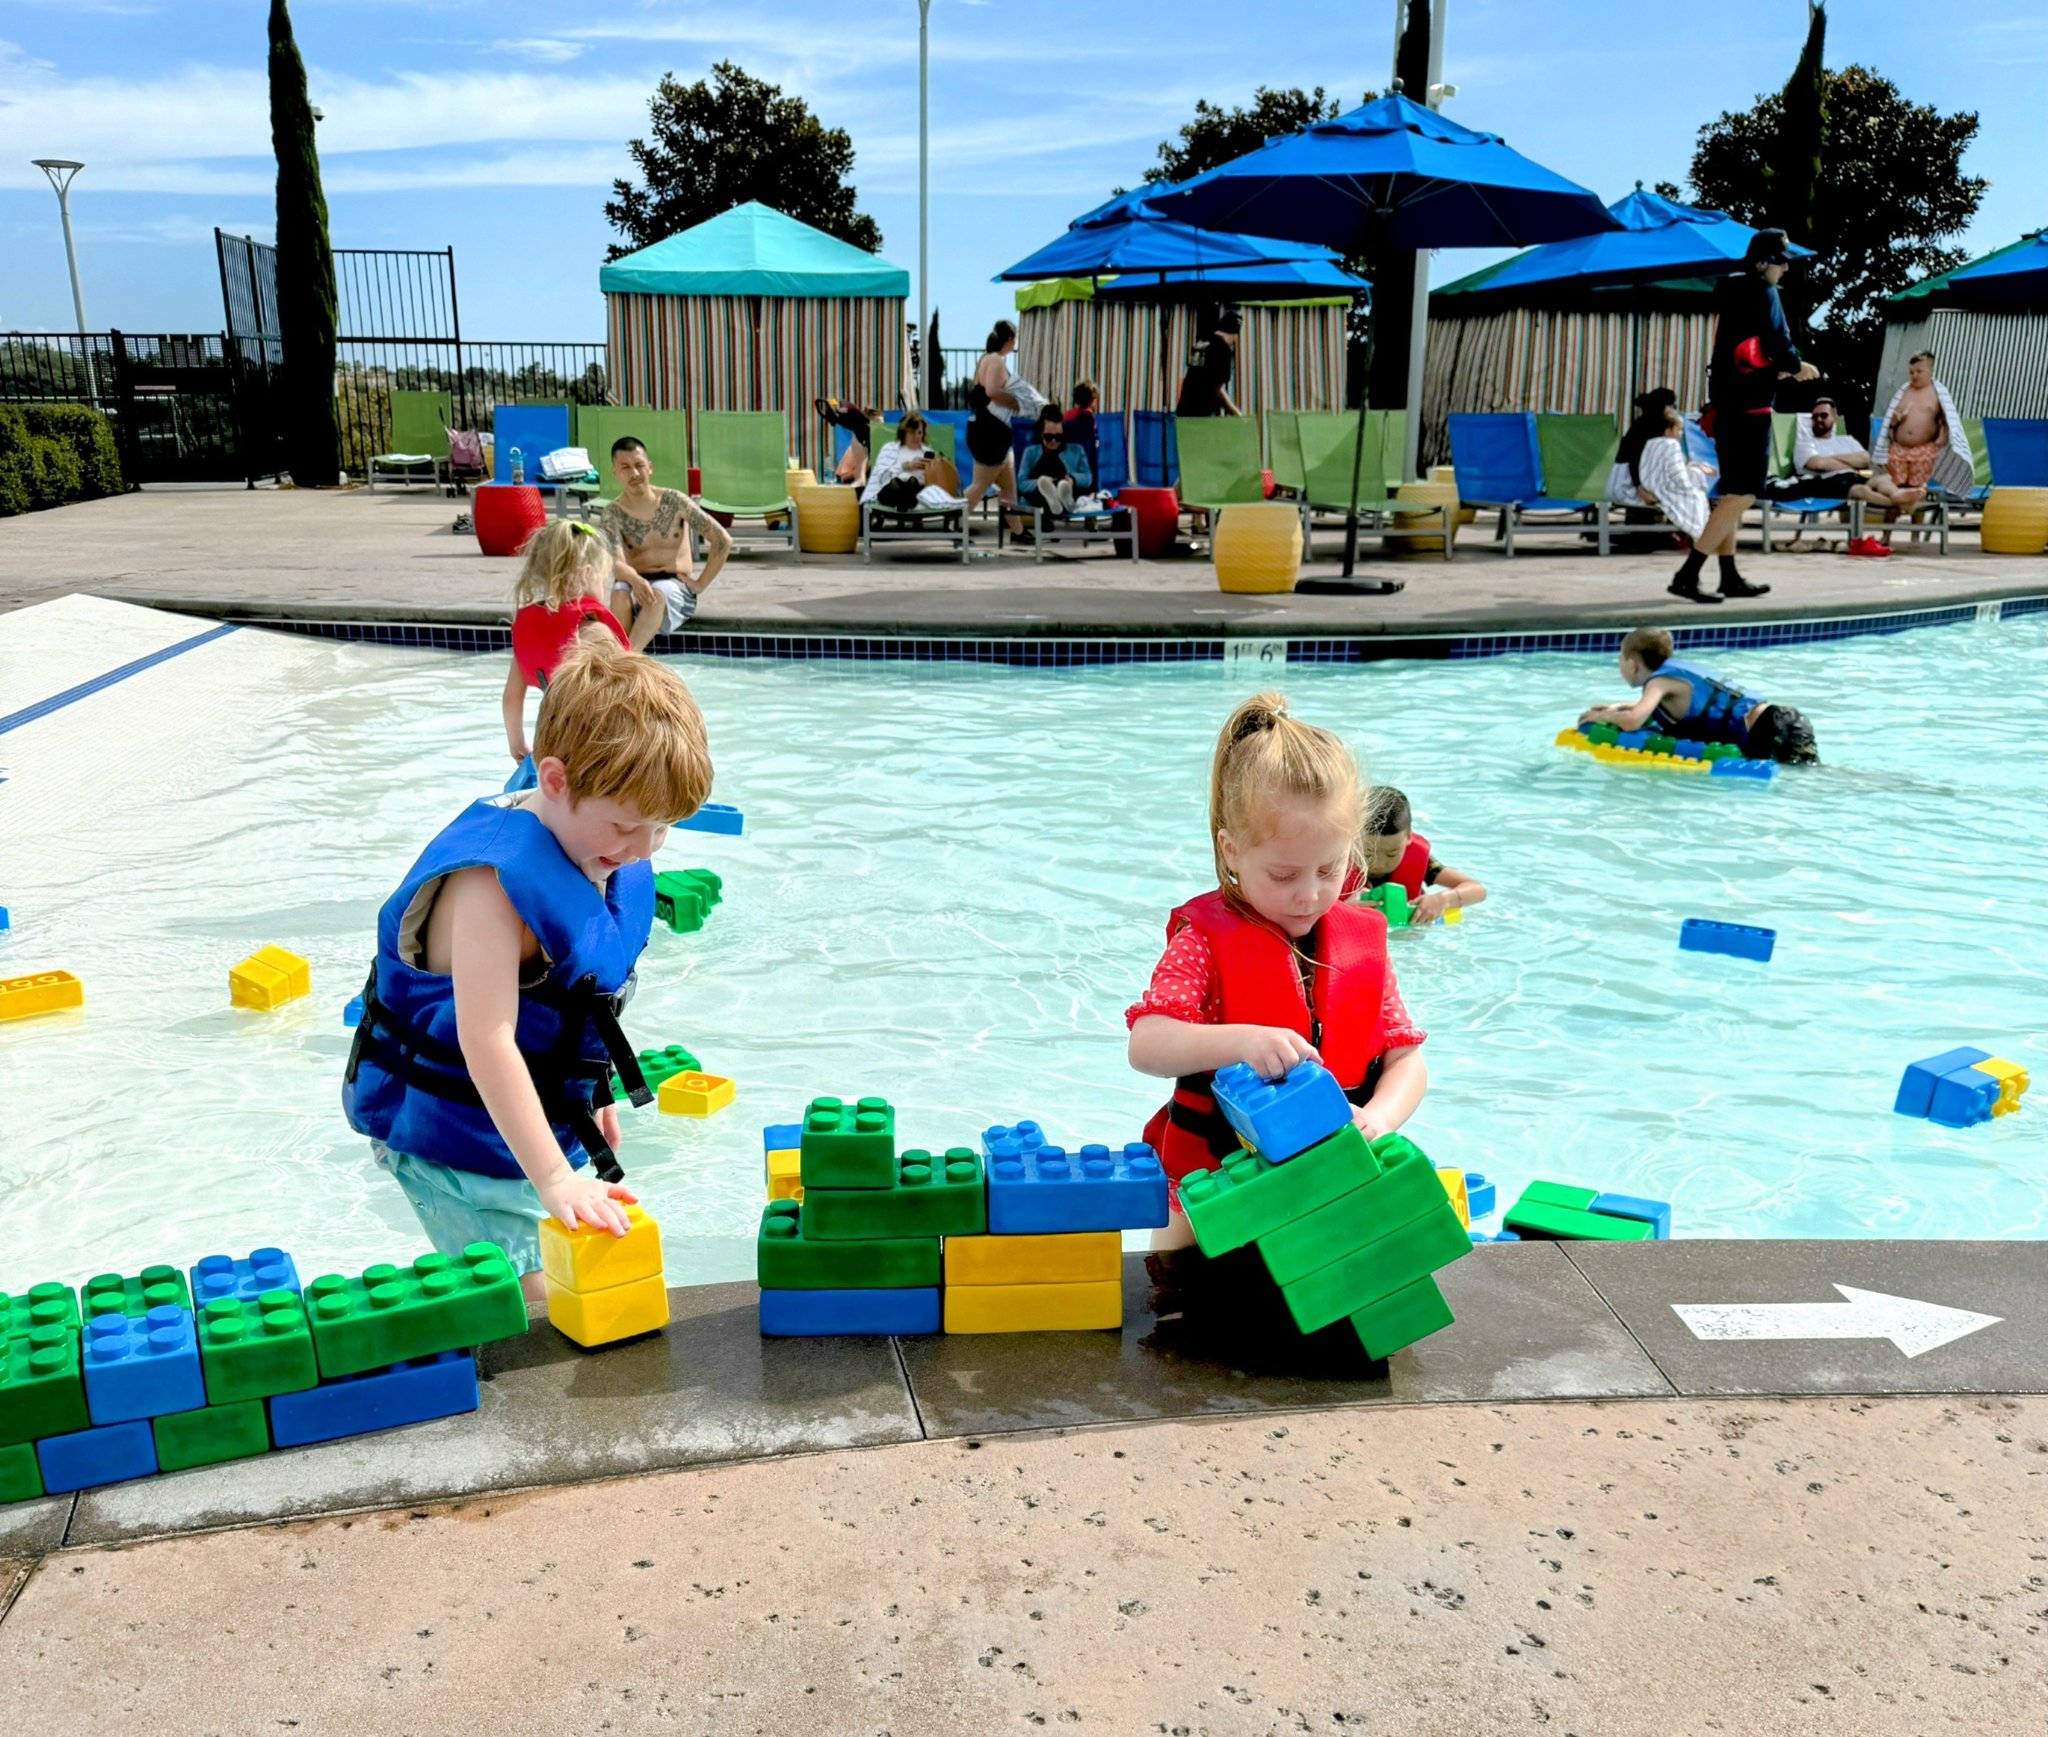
[1669,480]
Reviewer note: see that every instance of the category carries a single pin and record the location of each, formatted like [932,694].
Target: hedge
[53,454]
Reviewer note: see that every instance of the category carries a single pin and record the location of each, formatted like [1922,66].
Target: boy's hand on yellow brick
[578,1197]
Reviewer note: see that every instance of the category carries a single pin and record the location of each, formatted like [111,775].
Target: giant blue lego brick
[1737,940]
[6,921]
[1963,1098]
[1011,1139]
[1655,1213]
[713,817]
[1480,1195]
[97,1456]
[1278,1118]
[244,1279]
[142,1365]
[1761,770]
[430,1387]
[782,1137]
[1916,1088]
[352,1014]
[1049,1190]
[835,1314]
[1498,1236]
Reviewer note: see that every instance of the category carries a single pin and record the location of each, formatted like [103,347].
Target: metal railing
[480,374]
[49,367]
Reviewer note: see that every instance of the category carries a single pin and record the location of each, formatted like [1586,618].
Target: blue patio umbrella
[1302,280]
[1129,234]
[2013,277]
[1657,238]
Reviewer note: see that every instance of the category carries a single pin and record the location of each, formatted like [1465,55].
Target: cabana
[1990,343]
[753,310]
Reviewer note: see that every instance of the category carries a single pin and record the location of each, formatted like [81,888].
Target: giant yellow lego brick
[1454,1186]
[1034,1308]
[690,1094]
[1068,1258]
[2012,1083]
[45,992]
[785,1175]
[616,1312]
[269,977]
[585,1259]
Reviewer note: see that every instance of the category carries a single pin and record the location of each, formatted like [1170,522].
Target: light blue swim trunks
[459,1207]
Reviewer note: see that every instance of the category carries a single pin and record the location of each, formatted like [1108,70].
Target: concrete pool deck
[392,556]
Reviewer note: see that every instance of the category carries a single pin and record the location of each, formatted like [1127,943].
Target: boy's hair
[565,559]
[1084,395]
[1926,356]
[1265,753]
[1389,815]
[628,443]
[625,727]
[1649,646]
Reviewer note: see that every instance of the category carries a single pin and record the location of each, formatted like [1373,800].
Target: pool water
[953,881]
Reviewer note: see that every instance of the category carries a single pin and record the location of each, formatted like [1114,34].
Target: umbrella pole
[1344,584]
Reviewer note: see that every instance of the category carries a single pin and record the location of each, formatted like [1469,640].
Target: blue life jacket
[407,1082]
[1718,711]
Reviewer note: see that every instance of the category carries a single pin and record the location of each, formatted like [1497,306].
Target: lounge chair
[665,434]
[419,440]
[2017,448]
[1499,462]
[880,524]
[1219,462]
[1785,431]
[1156,455]
[1332,455]
[1283,451]
[743,460]
[534,429]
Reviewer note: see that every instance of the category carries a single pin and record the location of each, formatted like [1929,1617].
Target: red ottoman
[506,515]
[1156,512]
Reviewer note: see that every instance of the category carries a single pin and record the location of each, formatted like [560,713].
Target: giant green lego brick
[1394,1322]
[211,1434]
[657,1065]
[1249,1198]
[21,1476]
[1560,1194]
[787,1260]
[42,1386]
[932,1196]
[251,1350]
[395,1314]
[1405,1190]
[849,1146]
[1383,1266]
[679,901]
[1541,1221]
[45,1305]
[153,1287]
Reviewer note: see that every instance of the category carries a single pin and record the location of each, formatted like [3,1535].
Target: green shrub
[53,454]
[87,433]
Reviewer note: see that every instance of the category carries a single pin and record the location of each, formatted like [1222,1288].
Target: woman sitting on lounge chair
[898,484]
[1651,470]
[1053,474]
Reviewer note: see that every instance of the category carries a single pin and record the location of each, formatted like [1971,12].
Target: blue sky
[498,125]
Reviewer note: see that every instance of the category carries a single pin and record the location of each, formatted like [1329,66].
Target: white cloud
[551,49]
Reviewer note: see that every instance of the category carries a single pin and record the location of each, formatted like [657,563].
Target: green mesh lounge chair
[665,434]
[419,439]
[1784,448]
[1283,451]
[743,458]
[1330,450]
[1219,462]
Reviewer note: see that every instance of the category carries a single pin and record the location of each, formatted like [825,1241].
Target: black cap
[1768,247]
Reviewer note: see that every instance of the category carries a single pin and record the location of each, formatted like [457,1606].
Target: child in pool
[1696,705]
[490,1020]
[1396,853]
[1272,966]
[570,569]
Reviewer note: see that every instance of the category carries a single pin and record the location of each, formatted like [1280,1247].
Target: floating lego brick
[6,919]
[1480,1195]
[1073,1258]
[694,1094]
[713,817]
[1916,1086]
[1655,1213]
[1454,1186]
[1048,1190]
[264,1269]
[1559,1212]
[1399,1320]
[679,903]
[660,1065]
[352,1014]
[2012,1083]
[91,1457]
[587,1259]
[1479,1236]
[1012,1139]
[1248,1198]
[46,1305]
[1737,940]
[848,1145]
[398,1314]
[1405,1190]
[152,1288]
[268,978]
[1391,901]
[45,992]
[615,1312]
[1964,1098]
[211,1435]
[785,1175]
[1278,1118]
[21,1476]
[787,1260]
[42,1391]
[1383,1266]
[256,1347]
[782,1137]
[933,1196]
[808,1314]
[1763,771]
[410,1392]
[1051,1308]
[142,1365]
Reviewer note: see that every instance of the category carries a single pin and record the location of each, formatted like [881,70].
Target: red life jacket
[1410,872]
[1262,986]
[541,636]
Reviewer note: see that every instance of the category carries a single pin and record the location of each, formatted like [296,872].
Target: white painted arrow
[1911,1325]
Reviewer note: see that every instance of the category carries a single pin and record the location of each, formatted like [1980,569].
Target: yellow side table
[827,518]
[1257,546]
[2015,522]
[1448,473]
[1439,495]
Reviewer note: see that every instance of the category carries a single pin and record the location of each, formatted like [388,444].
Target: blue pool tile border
[1067,653]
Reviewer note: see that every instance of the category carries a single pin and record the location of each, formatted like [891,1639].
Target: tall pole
[924,212]
[1418,312]
[62,172]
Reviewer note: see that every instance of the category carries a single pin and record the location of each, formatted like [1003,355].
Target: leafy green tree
[722,141]
[306,300]
[1218,134]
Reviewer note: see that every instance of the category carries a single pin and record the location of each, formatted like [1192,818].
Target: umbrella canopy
[1391,174]
[753,250]
[1657,238]
[1129,233]
[2013,277]
[1304,280]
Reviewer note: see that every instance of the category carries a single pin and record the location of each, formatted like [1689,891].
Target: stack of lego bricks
[1562,1212]
[603,1288]
[1961,1087]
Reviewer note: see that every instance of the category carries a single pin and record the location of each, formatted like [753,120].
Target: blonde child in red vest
[1273,966]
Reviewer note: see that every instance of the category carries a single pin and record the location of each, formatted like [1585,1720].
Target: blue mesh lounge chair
[1499,465]
[1157,452]
[1112,448]
[2018,450]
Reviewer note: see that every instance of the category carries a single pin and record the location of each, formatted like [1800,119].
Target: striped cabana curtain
[1288,358]
[759,353]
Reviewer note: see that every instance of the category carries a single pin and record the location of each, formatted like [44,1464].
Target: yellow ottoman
[1448,473]
[2015,522]
[1437,494]
[1258,547]
[827,519]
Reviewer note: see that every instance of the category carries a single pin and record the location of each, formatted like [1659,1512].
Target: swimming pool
[953,881]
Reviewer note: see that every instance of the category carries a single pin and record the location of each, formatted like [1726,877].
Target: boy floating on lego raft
[1694,705]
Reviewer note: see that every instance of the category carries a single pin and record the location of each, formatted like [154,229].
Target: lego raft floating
[1649,750]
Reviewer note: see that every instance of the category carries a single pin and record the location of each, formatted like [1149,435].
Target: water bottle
[518,467]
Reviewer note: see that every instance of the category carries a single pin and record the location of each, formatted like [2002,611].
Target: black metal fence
[477,376]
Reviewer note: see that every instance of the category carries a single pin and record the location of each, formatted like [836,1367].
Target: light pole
[1418,313]
[924,214]
[62,171]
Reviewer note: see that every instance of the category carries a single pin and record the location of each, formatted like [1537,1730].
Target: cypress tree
[1795,171]
[306,298]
